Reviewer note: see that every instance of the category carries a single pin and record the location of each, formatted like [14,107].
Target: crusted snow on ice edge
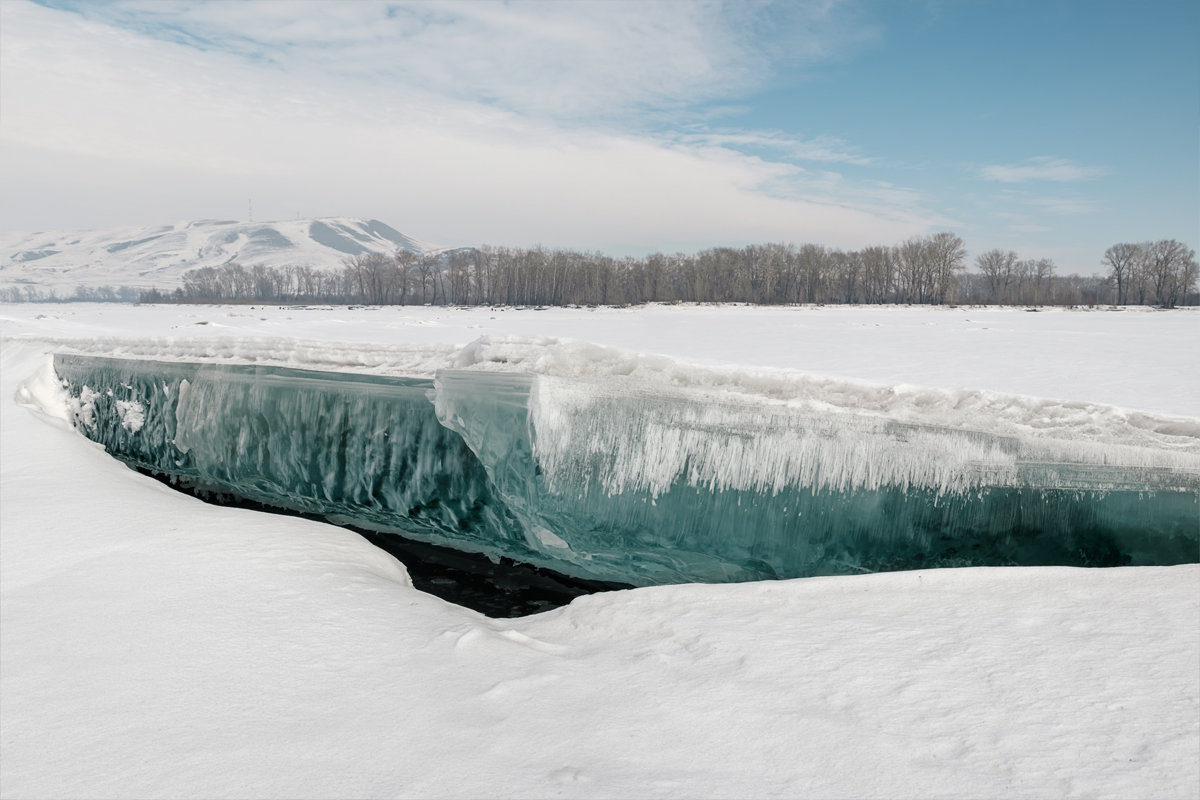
[625,438]
[357,357]
[602,368]
[576,375]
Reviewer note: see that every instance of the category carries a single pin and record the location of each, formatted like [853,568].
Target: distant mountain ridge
[157,256]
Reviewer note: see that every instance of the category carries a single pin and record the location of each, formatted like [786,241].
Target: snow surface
[151,645]
[157,256]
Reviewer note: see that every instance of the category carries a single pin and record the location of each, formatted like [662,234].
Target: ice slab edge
[618,481]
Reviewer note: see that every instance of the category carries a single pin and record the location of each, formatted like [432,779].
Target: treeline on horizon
[922,270]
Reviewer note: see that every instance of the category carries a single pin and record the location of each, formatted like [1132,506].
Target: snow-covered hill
[156,257]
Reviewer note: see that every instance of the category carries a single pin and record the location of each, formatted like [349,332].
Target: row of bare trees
[1007,279]
[31,293]
[1160,273]
[925,269]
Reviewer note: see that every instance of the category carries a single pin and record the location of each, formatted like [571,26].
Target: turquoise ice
[637,483]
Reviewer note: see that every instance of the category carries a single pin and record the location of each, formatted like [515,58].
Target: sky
[1052,128]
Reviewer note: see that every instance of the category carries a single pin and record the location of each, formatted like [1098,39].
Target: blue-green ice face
[637,484]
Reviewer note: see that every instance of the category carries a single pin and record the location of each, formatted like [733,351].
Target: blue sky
[1051,128]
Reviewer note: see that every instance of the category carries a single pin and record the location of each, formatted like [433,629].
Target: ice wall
[644,481]
[355,448]
[733,488]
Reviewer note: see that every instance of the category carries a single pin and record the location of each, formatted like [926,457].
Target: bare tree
[948,259]
[1167,263]
[1043,281]
[879,274]
[910,270]
[1122,261]
[1187,279]
[997,267]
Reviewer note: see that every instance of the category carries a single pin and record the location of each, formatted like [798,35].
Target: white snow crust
[154,646]
[842,436]
[763,408]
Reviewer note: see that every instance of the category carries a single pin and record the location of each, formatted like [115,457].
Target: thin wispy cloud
[1059,204]
[1042,168]
[818,148]
[1065,205]
[549,58]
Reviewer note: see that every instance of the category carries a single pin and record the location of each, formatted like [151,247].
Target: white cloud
[545,57]
[819,148]
[147,128]
[1042,168]
[1058,204]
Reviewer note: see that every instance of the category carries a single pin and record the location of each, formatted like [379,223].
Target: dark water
[500,588]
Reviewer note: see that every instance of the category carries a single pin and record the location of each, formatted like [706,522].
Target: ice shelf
[642,483]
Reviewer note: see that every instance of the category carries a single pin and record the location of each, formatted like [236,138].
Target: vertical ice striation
[718,489]
[643,482]
[361,449]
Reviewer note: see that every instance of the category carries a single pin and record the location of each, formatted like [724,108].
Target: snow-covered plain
[153,646]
